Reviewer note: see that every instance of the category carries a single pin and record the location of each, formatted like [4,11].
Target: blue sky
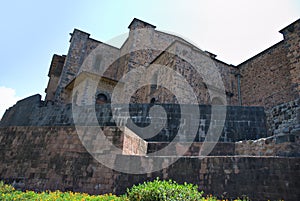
[32,31]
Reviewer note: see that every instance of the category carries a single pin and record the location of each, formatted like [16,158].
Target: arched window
[101,99]
[152,100]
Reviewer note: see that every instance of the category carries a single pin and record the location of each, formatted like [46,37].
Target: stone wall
[283,121]
[54,158]
[268,147]
[133,144]
[73,61]
[54,74]
[21,112]
[272,76]
[192,75]
[81,45]
[261,147]
[51,158]
[266,79]
[291,36]
[241,123]
[259,178]
[193,149]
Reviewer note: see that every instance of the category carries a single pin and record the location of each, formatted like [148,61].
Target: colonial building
[144,47]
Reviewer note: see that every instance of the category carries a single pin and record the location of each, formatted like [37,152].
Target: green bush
[148,191]
[158,190]
[4,188]
[57,196]
[8,193]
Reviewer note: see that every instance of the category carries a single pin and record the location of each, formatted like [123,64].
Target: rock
[295,131]
[286,130]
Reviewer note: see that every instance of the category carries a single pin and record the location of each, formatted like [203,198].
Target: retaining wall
[54,158]
[241,123]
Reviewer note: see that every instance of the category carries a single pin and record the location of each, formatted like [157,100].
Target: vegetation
[156,190]
[164,190]
[8,193]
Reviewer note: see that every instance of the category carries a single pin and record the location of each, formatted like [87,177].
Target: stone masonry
[255,105]
[54,158]
[241,123]
[276,72]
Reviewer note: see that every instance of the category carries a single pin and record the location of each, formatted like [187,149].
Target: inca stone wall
[268,147]
[260,147]
[20,113]
[193,149]
[241,123]
[54,158]
[259,178]
[51,158]
[283,121]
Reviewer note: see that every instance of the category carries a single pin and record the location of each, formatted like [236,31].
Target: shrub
[158,190]
[8,193]
[57,196]
[148,191]
[4,188]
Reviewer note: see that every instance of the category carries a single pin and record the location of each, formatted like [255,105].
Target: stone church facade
[267,79]
[144,47]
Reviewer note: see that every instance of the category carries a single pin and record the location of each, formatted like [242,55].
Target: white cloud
[7,99]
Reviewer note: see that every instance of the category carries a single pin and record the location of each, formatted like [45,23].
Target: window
[101,99]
